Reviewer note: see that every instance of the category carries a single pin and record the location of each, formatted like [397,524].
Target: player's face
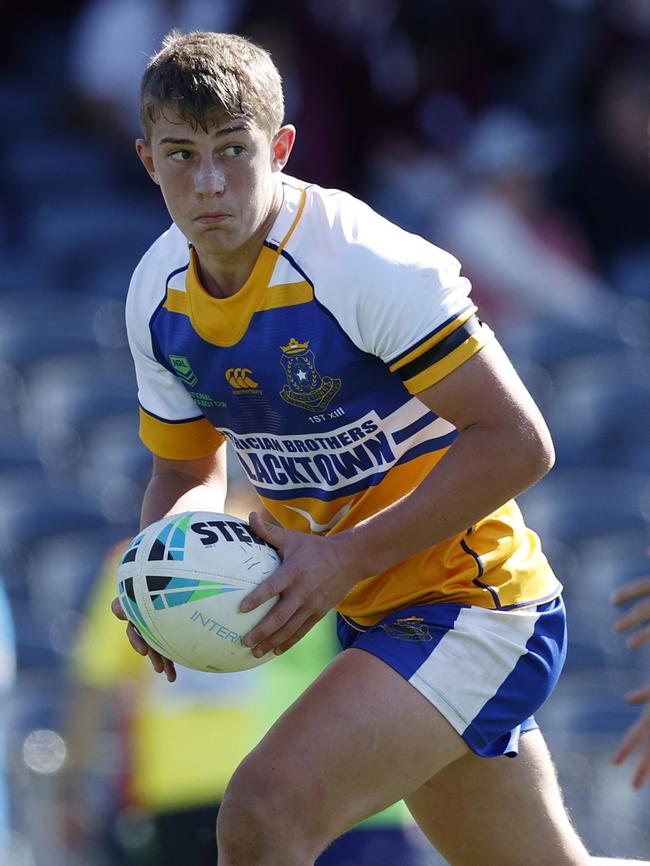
[219,186]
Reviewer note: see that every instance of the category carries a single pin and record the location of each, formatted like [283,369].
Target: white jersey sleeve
[163,399]
[397,296]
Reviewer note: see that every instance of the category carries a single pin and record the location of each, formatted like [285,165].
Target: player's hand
[638,734]
[638,614]
[316,573]
[159,663]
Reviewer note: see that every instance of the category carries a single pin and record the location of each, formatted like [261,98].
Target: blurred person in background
[637,616]
[105,93]
[604,181]
[7,679]
[526,257]
[176,746]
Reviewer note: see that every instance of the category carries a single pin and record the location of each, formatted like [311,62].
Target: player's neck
[224,274]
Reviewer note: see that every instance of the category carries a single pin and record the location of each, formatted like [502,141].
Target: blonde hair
[203,76]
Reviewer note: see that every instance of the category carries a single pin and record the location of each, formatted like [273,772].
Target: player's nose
[209,179]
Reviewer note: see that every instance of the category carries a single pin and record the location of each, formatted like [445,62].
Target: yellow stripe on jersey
[445,356]
[176,302]
[183,440]
[435,338]
[289,295]
[296,219]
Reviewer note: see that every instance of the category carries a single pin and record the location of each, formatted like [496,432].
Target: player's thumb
[118,610]
[267,531]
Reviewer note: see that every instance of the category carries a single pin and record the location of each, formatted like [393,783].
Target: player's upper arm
[485,391]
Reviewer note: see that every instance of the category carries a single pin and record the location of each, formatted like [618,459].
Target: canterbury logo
[240,377]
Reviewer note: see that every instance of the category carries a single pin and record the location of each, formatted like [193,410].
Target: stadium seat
[550,342]
[38,514]
[604,401]
[630,271]
[113,447]
[612,559]
[74,242]
[575,505]
[79,389]
[48,167]
[42,331]
[63,567]
[635,457]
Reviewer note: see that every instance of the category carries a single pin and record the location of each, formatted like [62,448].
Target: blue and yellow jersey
[311,372]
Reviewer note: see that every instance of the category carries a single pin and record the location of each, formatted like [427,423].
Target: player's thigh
[499,810]
[360,738]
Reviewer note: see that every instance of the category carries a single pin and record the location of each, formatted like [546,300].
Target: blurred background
[513,134]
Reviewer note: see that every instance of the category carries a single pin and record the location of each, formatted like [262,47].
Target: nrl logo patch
[183,369]
[411,628]
[305,386]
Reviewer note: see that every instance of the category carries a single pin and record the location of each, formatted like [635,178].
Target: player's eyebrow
[226,130]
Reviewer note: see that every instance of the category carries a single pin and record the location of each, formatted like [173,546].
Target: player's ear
[143,149]
[281,145]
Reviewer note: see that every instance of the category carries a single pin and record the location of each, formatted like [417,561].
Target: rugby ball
[181,582]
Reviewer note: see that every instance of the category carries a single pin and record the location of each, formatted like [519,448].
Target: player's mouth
[208,219]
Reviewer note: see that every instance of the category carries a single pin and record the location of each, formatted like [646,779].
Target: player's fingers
[169,669]
[267,589]
[642,769]
[629,742]
[262,638]
[639,638]
[282,635]
[640,696]
[269,532]
[161,665]
[634,589]
[118,610]
[300,633]
[636,615]
[136,640]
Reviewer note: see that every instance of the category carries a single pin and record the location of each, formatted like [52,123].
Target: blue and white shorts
[486,671]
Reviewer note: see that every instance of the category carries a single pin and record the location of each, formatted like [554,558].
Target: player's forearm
[484,469]
[172,493]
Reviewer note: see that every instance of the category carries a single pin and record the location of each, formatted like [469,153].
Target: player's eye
[180,155]
[234,150]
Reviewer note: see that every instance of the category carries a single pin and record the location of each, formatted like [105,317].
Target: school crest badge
[410,628]
[305,386]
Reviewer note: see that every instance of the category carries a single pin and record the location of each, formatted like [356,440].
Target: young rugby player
[386,434]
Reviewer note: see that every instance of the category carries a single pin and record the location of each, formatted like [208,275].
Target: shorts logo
[412,628]
[183,369]
[305,386]
[241,379]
